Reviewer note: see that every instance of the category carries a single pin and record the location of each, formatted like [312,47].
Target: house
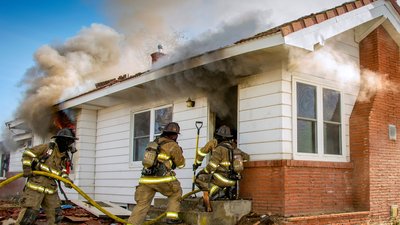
[11,153]
[322,139]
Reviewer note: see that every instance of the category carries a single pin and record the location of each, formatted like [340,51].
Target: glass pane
[142,124]
[332,139]
[1,164]
[306,101]
[331,105]
[162,117]
[139,147]
[306,136]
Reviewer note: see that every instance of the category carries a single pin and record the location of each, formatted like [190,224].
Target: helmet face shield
[65,144]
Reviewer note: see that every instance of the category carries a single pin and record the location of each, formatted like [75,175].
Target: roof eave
[308,37]
[206,58]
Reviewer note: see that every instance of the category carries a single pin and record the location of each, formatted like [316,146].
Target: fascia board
[14,123]
[308,37]
[20,137]
[389,12]
[220,54]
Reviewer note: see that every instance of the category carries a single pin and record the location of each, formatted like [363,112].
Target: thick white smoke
[65,69]
[339,67]
[184,28]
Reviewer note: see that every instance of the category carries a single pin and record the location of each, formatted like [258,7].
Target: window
[319,123]
[146,126]
[4,163]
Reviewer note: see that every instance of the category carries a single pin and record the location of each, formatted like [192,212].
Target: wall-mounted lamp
[190,103]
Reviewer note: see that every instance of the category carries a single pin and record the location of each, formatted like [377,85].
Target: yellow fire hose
[83,194]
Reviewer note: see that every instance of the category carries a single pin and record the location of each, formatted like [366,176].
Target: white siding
[15,161]
[112,173]
[115,176]
[265,116]
[187,117]
[84,160]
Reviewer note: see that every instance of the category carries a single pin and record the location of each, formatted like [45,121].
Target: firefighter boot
[206,201]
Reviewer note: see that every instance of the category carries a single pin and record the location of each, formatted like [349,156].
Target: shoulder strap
[162,143]
[226,145]
[48,152]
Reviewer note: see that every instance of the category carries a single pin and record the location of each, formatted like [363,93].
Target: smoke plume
[372,83]
[338,67]
[60,70]
[99,52]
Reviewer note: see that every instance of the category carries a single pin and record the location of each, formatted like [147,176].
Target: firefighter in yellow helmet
[223,169]
[161,157]
[41,191]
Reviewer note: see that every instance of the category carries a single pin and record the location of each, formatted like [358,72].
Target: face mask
[64,144]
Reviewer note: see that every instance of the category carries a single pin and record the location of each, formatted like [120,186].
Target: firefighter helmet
[172,127]
[224,131]
[65,133]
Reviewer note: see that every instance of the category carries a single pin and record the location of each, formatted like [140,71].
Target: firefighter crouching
[41,191]
[161,157]
[223,169]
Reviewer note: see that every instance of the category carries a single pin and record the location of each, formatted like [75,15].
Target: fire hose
[83,194]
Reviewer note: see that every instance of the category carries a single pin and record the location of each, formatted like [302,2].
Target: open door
[224,112]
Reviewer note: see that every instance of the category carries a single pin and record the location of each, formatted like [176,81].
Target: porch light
[190,103]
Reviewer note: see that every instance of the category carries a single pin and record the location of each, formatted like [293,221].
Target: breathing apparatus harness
[152,166]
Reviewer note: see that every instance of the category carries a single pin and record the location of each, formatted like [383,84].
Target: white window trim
[137,165]
[320,156]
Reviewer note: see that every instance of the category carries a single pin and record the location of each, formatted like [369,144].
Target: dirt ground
[9,211]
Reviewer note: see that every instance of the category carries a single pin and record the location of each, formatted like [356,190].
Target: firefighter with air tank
[223,169]
[41,191]
[161,157]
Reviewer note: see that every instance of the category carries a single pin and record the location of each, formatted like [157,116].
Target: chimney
[156,55]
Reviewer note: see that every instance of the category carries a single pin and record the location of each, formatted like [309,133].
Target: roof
[304,32]
[312,19]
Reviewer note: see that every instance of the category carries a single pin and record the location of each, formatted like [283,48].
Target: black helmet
[224,131]
[65,133]
[172,127]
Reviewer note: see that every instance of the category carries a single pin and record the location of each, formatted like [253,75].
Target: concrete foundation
[225,212]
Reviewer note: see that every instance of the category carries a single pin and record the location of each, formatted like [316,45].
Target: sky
[120,34]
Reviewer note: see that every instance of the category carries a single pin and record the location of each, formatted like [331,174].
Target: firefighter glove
[27,171]
[68,185]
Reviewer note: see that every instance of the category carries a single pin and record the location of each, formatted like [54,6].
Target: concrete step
[225,212]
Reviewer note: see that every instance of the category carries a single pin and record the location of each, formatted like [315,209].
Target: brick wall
[375,157]
[290,188]
[263,182]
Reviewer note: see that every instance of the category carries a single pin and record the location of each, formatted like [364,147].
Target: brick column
[375,158]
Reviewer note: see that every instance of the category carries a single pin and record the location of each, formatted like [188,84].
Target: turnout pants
[145,193]
[30,204]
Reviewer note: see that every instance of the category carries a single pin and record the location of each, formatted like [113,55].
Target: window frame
[2,172]
[320,155]
[138,164]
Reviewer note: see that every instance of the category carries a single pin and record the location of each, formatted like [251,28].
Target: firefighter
[41,191]
[202,152]
[158,176]
[224,167]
